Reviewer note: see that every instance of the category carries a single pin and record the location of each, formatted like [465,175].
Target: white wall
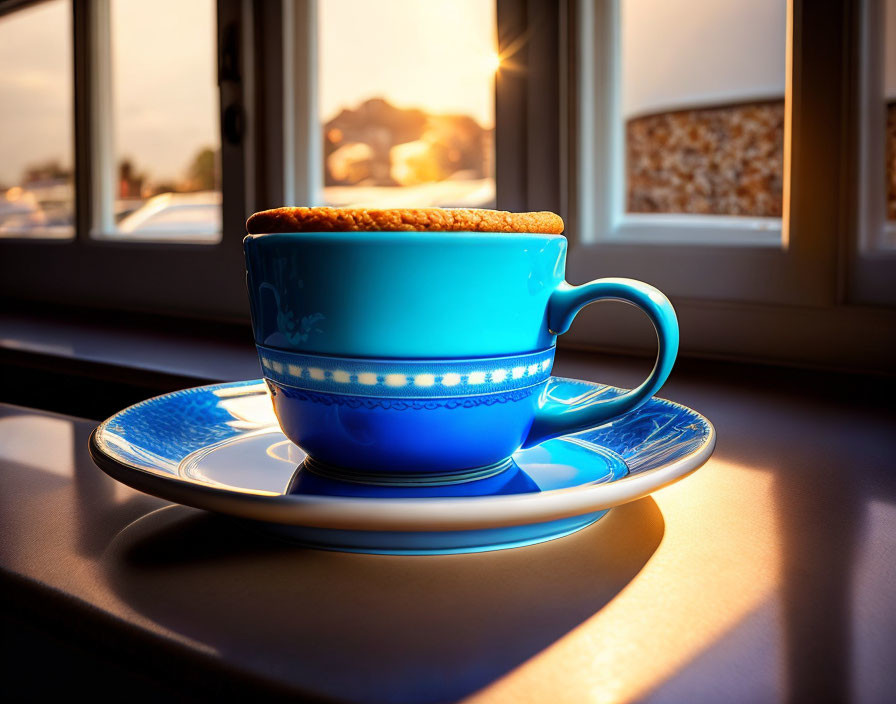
[686,53]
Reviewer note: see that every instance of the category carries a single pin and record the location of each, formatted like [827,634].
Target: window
[36,123]
[692,96]
[407,120]
[389,118]
[158,96]
[741,278]
[710,149]
[713,162]
[702,102]
[164,157]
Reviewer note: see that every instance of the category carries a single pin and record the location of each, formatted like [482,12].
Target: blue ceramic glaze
[554,418]
[219,447]
[404,295]
[380,346]
[414,417]
[437,542]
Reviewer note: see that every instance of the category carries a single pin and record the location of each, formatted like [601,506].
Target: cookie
[402,219]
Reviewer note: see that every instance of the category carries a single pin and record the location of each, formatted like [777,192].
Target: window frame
[168,277]
[601,171]
[872,265]
[8,7]
[301,159]
[799,271]
[723,310]
[785,305]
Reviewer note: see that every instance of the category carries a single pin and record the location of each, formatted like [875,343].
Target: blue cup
[425,356]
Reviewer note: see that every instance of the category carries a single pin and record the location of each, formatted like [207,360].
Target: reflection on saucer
[267,463]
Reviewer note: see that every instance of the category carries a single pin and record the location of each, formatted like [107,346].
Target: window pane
[702,97]
[165,107]
[407,102]
[36,122]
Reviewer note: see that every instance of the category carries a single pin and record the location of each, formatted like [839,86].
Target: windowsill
[195,351]
[676,229]
[66,234]
[93,363]
[768,594]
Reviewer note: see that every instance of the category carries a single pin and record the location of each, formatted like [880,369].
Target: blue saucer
[219,448]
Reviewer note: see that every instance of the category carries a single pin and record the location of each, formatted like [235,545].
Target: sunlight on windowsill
[719,563]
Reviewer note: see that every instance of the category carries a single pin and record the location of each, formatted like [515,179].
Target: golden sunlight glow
[717,566]
[38,442]
[439,77]
[493,62]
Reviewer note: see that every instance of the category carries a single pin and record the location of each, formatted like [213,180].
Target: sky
[432,54]
[35,89]
[164,85]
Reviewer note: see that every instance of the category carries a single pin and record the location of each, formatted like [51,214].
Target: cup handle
[555,418]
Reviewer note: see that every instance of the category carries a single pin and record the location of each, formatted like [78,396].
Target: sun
[493,62]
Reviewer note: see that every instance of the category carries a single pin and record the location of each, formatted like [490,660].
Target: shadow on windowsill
[367,627]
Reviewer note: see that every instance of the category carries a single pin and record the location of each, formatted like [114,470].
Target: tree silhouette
[202,173]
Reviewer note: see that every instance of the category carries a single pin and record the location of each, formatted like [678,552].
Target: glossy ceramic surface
[369,341]
[417,418]
[403,295]
[219,448]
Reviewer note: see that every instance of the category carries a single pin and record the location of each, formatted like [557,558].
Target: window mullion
[817,195]
[82,118]
[94,133]
[102,130]
[302,149]
[527,105]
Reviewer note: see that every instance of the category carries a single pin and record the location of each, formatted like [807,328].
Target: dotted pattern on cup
[406,378]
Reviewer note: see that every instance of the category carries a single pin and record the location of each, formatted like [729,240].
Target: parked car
[176,216]
[37,212]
